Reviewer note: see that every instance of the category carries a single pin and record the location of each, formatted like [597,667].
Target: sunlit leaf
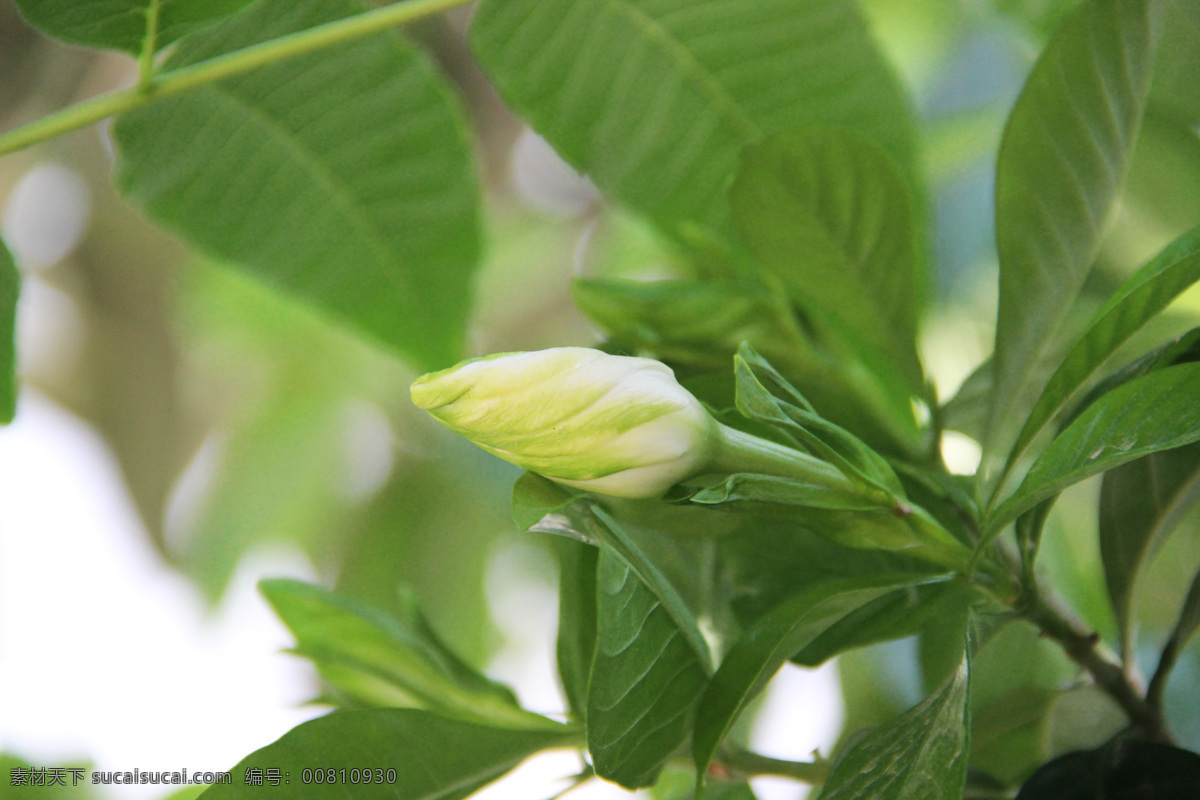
[654,100]
[344,177]
[827,213]
[1062,161]
[1140,298]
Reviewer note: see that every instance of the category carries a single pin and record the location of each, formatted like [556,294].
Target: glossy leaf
[645,681]
[123,24]
[654,100]
[1147,292]
[829,216]
[762,650]
[1063,158]
[920,755]
[434,757]
[1155,412]
[344,177]
[380,659]
[1140,503]
[10,288]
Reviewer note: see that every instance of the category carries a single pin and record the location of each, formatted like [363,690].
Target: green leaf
[827,213]
[380,659]
[753,488]
[434,758]
[1147,292]
[534,497]
[767,646]
[1155,412]
[10,289]
[344,177]
[920,755]
[1063,158]
[1140,503]
[646,679]
[713,76]
[785,409]
[576,644]
[895,615]
[122,24]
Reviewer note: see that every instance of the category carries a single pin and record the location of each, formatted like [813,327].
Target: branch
[178,80]
[1082,646]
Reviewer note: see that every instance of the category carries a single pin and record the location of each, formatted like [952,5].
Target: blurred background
[183,432]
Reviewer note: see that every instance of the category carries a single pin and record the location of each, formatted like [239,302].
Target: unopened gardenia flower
[614,425]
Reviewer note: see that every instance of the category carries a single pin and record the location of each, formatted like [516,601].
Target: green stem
[215,69]
[744,764]
[743,452]
[149,46]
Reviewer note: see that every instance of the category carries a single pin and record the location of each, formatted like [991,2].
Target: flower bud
[608,424]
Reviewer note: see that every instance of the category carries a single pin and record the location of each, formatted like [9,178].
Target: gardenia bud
[609,424]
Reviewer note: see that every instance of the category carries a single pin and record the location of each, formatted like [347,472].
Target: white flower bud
[608,424]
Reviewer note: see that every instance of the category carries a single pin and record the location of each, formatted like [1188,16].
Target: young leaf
[827,213]
[1062,160]
[1155,412]
[123,24]
[920,755]
[10,288]
[344,177]
[1140,503]
[576,644]
[431,757]
[766,647]
[654,100]
[359,647]
[1145,293]
[646,679]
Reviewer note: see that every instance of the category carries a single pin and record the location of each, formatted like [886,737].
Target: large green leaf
[122,24]
[10,288]
[826,212]
[344,177]
[1062,160]
[378,658]
[433,757]
[1155,412]
[1140,298]
[654,98]
[767,646]
[920,755]
[645,681]
[1140,503]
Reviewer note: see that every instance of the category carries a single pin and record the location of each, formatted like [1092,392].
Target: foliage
[774,159]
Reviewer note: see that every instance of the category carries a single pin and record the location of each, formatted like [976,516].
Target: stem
[149,46]
[178,80]
[1082,646]
[743,452]
[745,764]
[1183,630]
